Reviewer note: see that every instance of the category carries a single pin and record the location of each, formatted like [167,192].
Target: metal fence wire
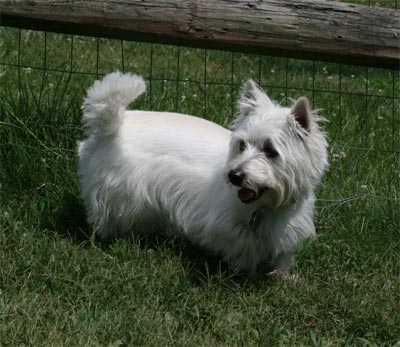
[361,104]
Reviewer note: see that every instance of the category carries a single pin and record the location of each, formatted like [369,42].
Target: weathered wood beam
[307,29]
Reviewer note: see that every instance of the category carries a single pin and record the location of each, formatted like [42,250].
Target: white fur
[141,171]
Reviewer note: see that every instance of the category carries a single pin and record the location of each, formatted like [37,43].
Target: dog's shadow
[69,221]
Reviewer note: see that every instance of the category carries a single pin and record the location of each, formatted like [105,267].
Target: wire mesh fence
[50,73]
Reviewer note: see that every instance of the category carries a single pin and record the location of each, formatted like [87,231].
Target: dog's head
[277,154]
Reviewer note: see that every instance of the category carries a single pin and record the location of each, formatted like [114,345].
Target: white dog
[246,195]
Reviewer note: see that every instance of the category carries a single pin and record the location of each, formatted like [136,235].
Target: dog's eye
[242,146]
[270,152]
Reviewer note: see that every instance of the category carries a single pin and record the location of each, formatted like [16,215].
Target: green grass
[59,287]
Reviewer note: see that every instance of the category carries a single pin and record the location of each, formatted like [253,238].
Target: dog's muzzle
[245,195]
[236,177]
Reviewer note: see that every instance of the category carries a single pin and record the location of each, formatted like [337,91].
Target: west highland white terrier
[245,194]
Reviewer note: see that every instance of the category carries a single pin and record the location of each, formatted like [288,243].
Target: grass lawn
[59,287]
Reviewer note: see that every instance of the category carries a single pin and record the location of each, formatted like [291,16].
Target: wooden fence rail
[307,29]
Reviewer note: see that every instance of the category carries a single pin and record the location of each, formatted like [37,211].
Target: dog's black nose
[236,177]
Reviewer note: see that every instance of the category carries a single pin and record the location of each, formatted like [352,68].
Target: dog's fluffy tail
[107,100]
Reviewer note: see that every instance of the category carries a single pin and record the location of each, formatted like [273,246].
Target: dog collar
[255,219]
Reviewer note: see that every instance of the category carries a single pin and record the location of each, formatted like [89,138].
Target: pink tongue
[245,194]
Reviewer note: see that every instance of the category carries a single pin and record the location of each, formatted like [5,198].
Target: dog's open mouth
[248,195]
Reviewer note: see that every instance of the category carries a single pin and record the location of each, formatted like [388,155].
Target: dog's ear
[302,113]
[252,96]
